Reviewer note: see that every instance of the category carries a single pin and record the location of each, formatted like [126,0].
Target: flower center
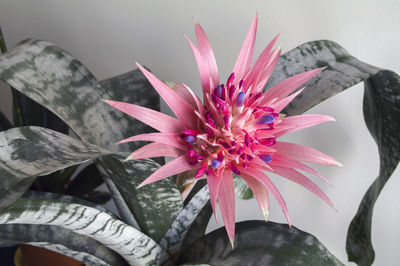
[233,130]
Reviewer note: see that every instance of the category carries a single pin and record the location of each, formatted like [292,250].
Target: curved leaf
[156,204]
[65,198]
[259,243]
[175,235]
[58,81]
[25,233]
[131,244]
[382,116]
[343,71]
[27,152]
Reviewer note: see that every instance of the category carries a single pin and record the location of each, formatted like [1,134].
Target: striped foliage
[14,234]
[28,152]
[58,81]
[134,246]
[173,238]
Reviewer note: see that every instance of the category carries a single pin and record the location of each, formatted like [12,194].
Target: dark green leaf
[98,197]
[382,116]
[259,243]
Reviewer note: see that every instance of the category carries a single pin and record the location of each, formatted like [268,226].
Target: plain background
[107,36]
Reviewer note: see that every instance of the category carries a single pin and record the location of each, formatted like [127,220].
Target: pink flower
[234,130]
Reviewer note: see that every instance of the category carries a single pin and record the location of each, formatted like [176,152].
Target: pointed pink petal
[156,120]
[303,153]
[267,71]
[281,104]
[174,167]
[155,149]
[213,182]
[245,56]
[179,106]
[171,139]
[207,53]
[226,202]
[260,193]
[298,122]
[302,180]
[289,85]
[253,75]
[283,161]
[202,66]
[264,179]
[188,95]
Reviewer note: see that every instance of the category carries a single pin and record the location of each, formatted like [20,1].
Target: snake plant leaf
[175,235]
[58,81]
[27,233]
[85,258]
[343,71]
[27,152]
[156,204]
[382,116]
[134,246]
[259,243]
[65,198]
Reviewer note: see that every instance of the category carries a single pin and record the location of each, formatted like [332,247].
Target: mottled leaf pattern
[25,233]
[175,235]
[134,246]
[58,81]
[382,116]
[27,152]
[259,243]
[156,204]
[343,71]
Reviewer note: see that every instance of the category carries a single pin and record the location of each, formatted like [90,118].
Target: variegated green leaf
[173,238]
[58,81]
[27,152]
[242,190]
[259,243]
[65,198]
[380,104]
[157,204]
[343,71]
[134,246]
[25,233]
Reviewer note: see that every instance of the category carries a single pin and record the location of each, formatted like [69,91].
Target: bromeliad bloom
[234,130]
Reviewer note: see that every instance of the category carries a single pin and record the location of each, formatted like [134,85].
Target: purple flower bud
[266,119]
[265,157]
[215,163]
[240,99]
[190,139]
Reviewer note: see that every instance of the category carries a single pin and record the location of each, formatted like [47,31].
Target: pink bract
[234,130]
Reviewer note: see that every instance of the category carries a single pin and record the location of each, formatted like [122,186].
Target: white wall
[107,36]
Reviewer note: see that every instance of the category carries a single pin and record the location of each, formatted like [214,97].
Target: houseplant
[155,226]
